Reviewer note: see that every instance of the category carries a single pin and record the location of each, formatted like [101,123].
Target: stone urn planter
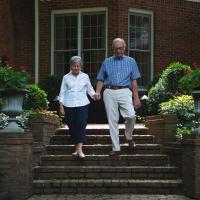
[12,107]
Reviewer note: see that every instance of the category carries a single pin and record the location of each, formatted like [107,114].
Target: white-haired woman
[74,103]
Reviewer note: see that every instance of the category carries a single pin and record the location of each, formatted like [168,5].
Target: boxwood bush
[35,99]
[183,107]
[51,85]
[166,86]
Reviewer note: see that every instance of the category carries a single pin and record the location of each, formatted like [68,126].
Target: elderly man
[119,74]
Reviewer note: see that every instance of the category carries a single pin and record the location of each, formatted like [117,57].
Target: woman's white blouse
[74,90]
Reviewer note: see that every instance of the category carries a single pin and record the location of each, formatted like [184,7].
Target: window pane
[92,39]
[139,44]
[92,62]
[93,42]
[65,42]
[143,61]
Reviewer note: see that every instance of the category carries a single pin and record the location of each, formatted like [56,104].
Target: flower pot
[12,106]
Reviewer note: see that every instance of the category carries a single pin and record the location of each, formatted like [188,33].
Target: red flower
[185,72]
[7,62]
[194,65]
[22,68]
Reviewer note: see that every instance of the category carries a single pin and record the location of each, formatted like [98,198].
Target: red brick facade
[176,29]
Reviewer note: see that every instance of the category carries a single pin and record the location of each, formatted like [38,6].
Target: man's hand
[137,103]
[97,96]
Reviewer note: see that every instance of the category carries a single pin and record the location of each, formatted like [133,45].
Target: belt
[113,87]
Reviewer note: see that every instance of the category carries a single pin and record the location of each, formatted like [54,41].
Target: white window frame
[140,11]
[78,11]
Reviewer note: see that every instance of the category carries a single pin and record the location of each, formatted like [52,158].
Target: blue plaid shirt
[118,71]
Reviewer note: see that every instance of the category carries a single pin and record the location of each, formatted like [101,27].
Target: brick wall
[23,29]
[16,163]
[6,30]
[176,28]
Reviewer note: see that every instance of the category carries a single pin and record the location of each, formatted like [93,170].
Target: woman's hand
[62,111]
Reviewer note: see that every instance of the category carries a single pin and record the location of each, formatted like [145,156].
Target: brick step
[102,160]
[103,149]
[101,139]
[104,130]
[112,172]
[110,186]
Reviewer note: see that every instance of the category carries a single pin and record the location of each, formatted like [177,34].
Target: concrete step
[103,129]
[102,160]
[101,172]
[103,149]
[101,139]
[110,186]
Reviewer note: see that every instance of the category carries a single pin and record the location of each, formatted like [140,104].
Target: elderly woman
[74,103]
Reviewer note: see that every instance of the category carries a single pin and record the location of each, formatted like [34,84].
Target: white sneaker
[75,154]
[81,155]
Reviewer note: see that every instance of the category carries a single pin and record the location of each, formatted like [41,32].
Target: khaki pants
[115,101]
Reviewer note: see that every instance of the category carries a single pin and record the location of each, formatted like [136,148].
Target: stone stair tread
[106,126]
[60,146]
[102,168]
[109,183]
[100,135]
[120,181]
[103,156]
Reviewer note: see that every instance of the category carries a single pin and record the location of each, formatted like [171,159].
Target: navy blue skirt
[76,119]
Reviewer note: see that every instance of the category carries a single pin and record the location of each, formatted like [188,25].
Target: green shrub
[166,87]
[51,85]
[190,82]
[35,99]
[183,107]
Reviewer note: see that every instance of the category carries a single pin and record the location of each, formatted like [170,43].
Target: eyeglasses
[119,48]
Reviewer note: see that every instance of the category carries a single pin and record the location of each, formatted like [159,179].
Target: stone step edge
[102,145]
[108,182]
[124,169]
[106,126]
[144,156]
[99,135]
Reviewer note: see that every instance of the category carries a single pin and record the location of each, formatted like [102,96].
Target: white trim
[77,11]
[36,41]
[198,1]
[106,34]
[79,33]
[52,44]
[140,11]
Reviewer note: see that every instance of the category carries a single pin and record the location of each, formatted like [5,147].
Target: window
[140,44]
[81,33]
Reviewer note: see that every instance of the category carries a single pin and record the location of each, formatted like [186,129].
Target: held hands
[97,96]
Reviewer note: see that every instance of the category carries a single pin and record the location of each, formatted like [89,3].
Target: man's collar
[118,57]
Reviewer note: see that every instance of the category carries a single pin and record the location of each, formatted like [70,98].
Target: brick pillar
[15,165]
[191,165]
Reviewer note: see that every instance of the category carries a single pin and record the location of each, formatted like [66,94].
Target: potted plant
[13,81]
[190,84]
